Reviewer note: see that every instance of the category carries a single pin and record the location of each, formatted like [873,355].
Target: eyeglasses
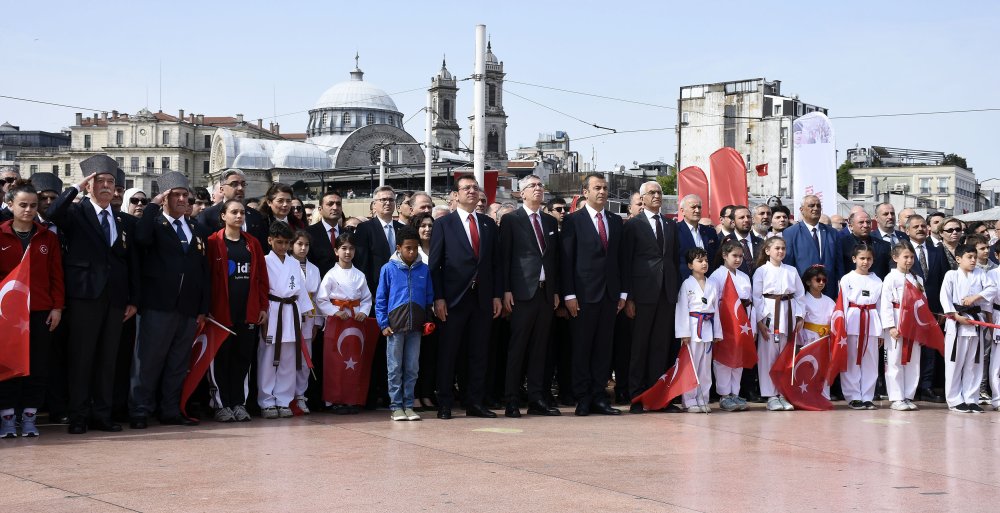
[350,228]
[558,209]
[138,201]
[951,230]
[819,280]
[654,193]
[10,179]
[237,184]
[386,200]
[297,208]
[533,185]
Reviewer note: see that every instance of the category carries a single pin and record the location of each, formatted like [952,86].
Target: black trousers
[593,329]
[467,327]
[427,377]
[529,341]
[559,360]
[232,365]
[57,389]
[652,336]
[95,328]
[29,391]
[123,368]
[621,356]
[162,358]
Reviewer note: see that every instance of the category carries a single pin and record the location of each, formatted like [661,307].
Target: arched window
[371,119]
[347,119]
[446,109]
[493,141]
[492,96]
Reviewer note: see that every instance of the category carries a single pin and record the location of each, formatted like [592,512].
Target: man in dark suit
[859,233]
[234,186]
[885,217]
[8,174]
[690,233]
[529,241]
[931,265]
[465,270]
[375,244]
[174,305]
[810,242]
[743,234]
[649,263]
[592,291]
[102,289]
[325,232]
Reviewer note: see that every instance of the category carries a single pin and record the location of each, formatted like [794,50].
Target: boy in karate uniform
[697,325]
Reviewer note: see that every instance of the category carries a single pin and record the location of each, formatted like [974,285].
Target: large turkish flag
[207,342]
[348,352]
[678,379]
[917,323]
[15,301]
[803,388]
[838,341]
[727,183]
[737,349]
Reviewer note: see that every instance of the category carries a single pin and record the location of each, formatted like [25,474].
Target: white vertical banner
[814,164]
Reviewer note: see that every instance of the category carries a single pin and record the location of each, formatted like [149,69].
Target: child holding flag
[698,326]
[817,309]
[777,299]
[727,379]
[861,291]
[901,377]
[312,321]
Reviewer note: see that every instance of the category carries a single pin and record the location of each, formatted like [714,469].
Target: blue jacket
[404,295]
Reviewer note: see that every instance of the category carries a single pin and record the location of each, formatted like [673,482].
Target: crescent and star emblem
[916,312]
[12,286]
[804,386]
[202,342]
[350,362]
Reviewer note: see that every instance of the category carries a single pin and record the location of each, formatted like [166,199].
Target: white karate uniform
[963,375]
[816,310]
[310,323]
[692,299]
[858,381]
[344,284]
[727,379]
[276,385]
[994,371]
[779,280]
[900,380]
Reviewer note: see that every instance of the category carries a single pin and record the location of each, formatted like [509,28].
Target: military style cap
[173,180]
[46,182]
[102,164]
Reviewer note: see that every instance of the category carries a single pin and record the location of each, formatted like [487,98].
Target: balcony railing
[129,170]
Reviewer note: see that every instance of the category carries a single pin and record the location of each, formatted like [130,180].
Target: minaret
[496,118]
[444,91]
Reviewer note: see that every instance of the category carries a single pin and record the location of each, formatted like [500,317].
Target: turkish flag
[348,352]
[693,180]
[15,303]
[800,378]
[916,322]
[761,169]
[206,344]
[727,182]
[838,341]
[678,379]
[490,187]
[737,349]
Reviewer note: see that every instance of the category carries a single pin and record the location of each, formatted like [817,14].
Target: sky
[264,58]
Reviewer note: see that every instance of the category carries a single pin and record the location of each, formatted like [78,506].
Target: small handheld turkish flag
[348,352]
[838,341]
[206,344]
[800,378]
[916,322]
[761,169]
[677,380]
[737,349]
[15,303]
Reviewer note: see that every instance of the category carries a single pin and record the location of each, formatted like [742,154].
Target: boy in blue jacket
[402,303]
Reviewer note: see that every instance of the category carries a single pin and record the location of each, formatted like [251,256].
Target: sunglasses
[951,230]
[138,201]
[10,179]
[819,280]
[298,209]
[558,209]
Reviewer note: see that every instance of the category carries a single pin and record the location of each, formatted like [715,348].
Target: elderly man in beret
[174,303]
[102,289]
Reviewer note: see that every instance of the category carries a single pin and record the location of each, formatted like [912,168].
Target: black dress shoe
[604,409]
[138,423]
[474,410]
[106,425]
[512,411]
[928,395]
[543,408]
[671,408]
[77,428]
[582,410]
[636,408]
[178,421]
[444,413]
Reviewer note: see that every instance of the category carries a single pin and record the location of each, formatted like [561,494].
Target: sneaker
[774,404]
[856,405]
[899,406]
[910,405]
[975,408]
[785,405]
[271,412]
[727,403]
[240,413]
[961,408]
[285,412]
[8,427]
[225,414]
[870,405]
[398,415]
[410,414]
[28,427]
[705,409]
[694,409]
[300,403]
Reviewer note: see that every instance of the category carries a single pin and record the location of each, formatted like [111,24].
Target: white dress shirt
[184,227]
[327,228]
[111,219]
[541,276]
[819,235]
[464,216]
[695,234]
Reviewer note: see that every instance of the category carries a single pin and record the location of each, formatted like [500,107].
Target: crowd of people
[536,305]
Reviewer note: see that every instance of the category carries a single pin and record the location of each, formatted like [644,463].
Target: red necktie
[538,232]
[474,234]
[602,231]
[333,238]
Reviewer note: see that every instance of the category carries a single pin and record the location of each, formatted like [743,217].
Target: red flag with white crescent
[15,309]
[838,341]
[800,378]
[916,322]
[207,342]
[348,352]
[737,349]
[677,380]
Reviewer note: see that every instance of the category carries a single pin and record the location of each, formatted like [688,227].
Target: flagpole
[794,354]
[215,322]
[691,357]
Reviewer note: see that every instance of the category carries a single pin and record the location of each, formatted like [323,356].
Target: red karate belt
[702,318]
[863,328]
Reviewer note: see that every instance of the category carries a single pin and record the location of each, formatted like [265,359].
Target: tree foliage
[844,178]
[952,159]
[668,183]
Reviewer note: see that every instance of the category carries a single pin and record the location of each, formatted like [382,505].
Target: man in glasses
[234,186]
[7,177]
[810,242]
[859,224]
[931,264]
[557,209]
[691,233]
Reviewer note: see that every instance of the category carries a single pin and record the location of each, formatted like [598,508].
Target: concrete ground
[931,460]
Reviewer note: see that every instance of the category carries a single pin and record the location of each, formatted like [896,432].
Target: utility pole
[383,155]
[427,144]
[479,108]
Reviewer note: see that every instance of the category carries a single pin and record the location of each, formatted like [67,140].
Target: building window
[86,142]
[784,137]
[10,155]
[685,118]
[777,109]
[492,95]
[66,170]
[942,204]
[493,141]
[120,137]
[33,169]
[120,161]
[165,164]
[185,166]
[204,167]
[446,109]
[942,185]
[347,119]
[370,120]
[208,141]
[783,170]
[154,188]
[925,186]
[129,183]
[166,138]
[150,164]
[322,120]
[134,163]
[187,140]
[858,186]
[55,169]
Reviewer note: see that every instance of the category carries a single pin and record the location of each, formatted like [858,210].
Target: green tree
[955,160]
[844,178]
[668,183]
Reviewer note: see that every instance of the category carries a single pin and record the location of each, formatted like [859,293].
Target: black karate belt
[971,311]
[282,301]
[746,303]
[996,306]
[789,322]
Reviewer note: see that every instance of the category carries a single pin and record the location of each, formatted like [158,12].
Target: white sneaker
[774,404]
[300,402]
[899,406]
[705,409]
[410,414]
[285,412]
[225,414]
[785,405]
[240,413]
[398,415]
[694,409]
[909,405]
[271,412]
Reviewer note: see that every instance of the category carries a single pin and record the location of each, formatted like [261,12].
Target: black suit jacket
[749,265]
[91,266]
[454,266]
[321,252]
[937,266]
[172,279]
[209,221]
[522,260]
[646,267]
[708,237]
[590,272]
[882,253]
[372,250]
[875,234]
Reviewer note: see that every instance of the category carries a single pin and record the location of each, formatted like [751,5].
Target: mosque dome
[356,94]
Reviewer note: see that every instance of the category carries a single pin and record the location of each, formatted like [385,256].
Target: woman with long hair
[950,231]
[277,206]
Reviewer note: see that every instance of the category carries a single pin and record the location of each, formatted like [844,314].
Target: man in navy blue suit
[465,270]
[931,265]
[809,242]
[859,223]
[885,217]
[690,233]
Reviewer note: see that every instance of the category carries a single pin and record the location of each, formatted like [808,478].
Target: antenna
[161,85]
[274,100]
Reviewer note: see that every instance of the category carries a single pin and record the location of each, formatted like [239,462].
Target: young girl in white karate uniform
[727,379]
[861,291]
[777,299]
[311,322]
[697,324]
[901,379]
[993,275]
[817,310]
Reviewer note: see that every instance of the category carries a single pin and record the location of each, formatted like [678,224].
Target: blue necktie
[390,237]
[106,226]
[180,234]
